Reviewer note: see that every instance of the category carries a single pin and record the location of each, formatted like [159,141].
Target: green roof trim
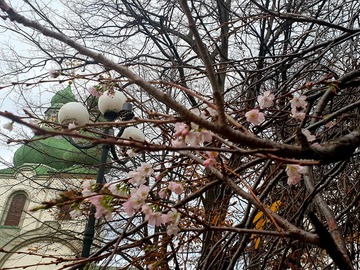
[59,154]
[41,169]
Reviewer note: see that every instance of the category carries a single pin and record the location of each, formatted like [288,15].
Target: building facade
[43,168]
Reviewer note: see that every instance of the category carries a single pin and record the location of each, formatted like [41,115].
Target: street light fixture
[112,105]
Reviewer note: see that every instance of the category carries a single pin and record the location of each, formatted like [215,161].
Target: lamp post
[112,105]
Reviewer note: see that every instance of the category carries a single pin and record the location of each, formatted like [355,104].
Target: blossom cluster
[137,201]
[194,136]
[184,135]
[138,177]
[294,173]
[298,106]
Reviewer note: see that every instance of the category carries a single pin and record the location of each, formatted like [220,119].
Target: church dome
[62,97]
[57,152]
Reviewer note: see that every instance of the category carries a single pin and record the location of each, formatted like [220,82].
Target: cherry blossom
[172,229]
[163,193]
[145,169]
[294,173]
[177,188]
[136,200]
[86,188]
[255,117]
[102,204]
[308,135]
[153,218]
[298,114]
[131,205]
[173,218]
[298,107]
[179,128]
[118,189]
[94,91]
[178,142]
[211,160]
[138,177]
[194,137]
[266,99]
[9,126]
[298,101]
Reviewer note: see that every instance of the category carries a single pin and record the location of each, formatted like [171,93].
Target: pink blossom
[308,135]
[136,178]
[266,99]
[211,160]
[298,101]
[153,218]
[294,173]
[145,169]
[178,142]
[102,204]
[298,114]
[136,200]
[163,193]
[179,128]
[94,91]
[118,190]
[156,219]
[172,229]
[177,188]
[173,216]
[255,117]
[134,203]
[142,191]
[9,126]
[206,135]
[196,138]
[298,107]
[129,206]
[86,188]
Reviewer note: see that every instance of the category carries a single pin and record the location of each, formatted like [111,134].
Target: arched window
[15,210]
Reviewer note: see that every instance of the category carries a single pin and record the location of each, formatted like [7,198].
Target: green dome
[62,97]
[56,153]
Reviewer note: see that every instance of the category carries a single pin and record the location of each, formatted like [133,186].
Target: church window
[15,209]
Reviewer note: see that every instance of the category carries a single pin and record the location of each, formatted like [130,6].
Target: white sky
[9,99]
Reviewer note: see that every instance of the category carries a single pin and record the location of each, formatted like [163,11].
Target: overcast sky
[10,100]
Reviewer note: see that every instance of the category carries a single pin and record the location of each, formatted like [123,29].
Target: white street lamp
[112,104]
[133,133]
[111,101]
[73,112]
